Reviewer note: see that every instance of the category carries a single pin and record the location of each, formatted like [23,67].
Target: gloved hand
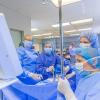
[35,76]
[50,69]
[66,69]
[65,89]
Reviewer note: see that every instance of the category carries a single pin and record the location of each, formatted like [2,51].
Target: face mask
[28,44]
[48,50]
[67,58]
[84,45]
[82,73]
[79,66]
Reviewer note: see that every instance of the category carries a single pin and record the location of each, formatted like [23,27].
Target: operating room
[49,50]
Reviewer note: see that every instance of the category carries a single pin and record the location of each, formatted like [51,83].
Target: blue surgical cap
[92,37]
[87,53]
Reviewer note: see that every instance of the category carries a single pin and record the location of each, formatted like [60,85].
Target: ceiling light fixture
[64,2]
[42,34]
[34,29]
[85,29]
[63,24]
[51,37]
[71,31]
[82,21]
[74,34]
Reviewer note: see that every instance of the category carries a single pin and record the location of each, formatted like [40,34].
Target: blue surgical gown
[44,61]
[89,88]
[67,62]
[27,58]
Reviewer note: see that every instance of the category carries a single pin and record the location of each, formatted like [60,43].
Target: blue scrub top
[89,88]
[27,58]
[44,61]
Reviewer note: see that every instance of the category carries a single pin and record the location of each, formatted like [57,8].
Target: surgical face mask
[28,44]
[68,58]
[48,50]
[84,45]
[79,66]
[82,73]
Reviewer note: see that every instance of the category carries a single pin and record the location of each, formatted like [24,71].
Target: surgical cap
[89,54]
[48,42]
[28,37]
[92,37]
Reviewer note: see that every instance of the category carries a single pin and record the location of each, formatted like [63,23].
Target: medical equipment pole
[61,34]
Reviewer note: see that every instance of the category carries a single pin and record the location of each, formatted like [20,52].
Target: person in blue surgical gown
[47,61]
[26,55]
[88,87]
[88,40]
[27,59]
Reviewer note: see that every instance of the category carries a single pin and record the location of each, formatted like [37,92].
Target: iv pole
[61,34]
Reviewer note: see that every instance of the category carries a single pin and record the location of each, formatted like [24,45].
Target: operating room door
[17,36]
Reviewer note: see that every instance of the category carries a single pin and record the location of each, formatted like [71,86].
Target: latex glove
[50,69]
[65,89]
[35,76]
[66,69]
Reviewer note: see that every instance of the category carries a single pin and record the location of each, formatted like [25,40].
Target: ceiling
[43,16]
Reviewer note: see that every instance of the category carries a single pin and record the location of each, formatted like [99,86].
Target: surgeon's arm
[65,89]
[33,75]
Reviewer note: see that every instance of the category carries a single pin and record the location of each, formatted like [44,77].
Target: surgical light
[64,2]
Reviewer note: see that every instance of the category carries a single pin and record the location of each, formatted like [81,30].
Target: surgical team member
[47,61]
[90,40]
[88,87]
[28,57]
